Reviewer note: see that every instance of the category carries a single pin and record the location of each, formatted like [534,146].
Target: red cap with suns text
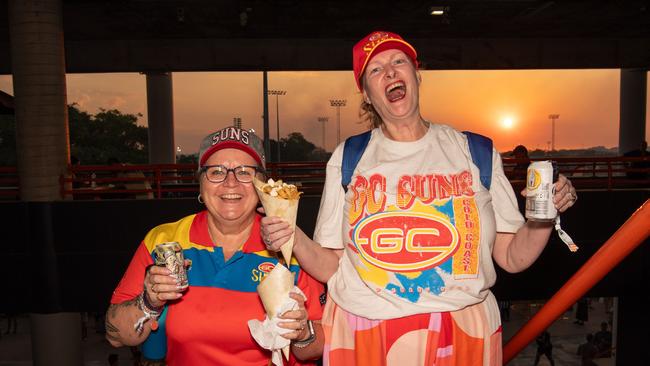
[374,43]
[233,138]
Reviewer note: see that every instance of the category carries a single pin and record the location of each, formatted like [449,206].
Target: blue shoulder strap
[480,147]
[352,151]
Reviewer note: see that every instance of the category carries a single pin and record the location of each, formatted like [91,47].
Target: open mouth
[395,91]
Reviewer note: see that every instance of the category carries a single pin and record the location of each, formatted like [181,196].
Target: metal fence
[179,180]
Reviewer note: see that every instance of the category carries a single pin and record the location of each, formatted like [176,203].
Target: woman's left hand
[297,320]
[565,194]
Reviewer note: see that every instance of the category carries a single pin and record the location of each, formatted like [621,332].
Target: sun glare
[507,122]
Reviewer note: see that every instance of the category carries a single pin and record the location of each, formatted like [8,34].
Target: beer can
[170,255]
[540,190]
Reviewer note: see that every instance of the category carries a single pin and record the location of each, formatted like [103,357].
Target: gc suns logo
[263,269]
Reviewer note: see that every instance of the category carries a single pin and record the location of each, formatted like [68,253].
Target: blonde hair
[369,114]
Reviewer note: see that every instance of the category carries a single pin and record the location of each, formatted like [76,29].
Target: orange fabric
[468,337]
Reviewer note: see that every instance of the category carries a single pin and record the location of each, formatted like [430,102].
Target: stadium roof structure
[207,35]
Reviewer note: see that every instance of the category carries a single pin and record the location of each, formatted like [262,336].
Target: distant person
[603,341]
[504,309]
[134,180]
[544,347]
[113,359]
[12,322]
[641,152]
[582,311]
[520,152]
[136,356]
[74,181]
[84,326]
[588,351]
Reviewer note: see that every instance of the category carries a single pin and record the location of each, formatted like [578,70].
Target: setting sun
[507,122]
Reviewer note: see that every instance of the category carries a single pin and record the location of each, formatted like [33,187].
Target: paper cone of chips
[280,199]
[274,292]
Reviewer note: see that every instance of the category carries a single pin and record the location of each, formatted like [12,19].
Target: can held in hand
[540,190]
[170,255]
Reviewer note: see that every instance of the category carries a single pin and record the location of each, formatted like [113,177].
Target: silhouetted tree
[295,147]
[187,159]
[108,134]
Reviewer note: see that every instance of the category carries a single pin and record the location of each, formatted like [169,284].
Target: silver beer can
[540,190]
[170,255]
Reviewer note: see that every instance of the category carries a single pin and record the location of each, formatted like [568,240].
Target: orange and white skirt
[467,337]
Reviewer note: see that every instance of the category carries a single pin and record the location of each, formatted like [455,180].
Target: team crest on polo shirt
[263,269]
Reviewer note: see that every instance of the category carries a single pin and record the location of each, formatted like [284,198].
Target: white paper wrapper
[284,208]
[274,292]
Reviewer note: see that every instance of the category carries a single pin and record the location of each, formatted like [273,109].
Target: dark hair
[112,358]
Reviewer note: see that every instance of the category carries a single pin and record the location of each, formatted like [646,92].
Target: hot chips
[281,189]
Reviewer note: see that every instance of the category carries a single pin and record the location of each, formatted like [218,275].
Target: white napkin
[268,334]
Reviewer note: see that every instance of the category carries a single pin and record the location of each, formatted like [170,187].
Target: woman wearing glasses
[206,323]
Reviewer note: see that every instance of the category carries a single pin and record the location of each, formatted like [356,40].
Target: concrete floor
[15,349]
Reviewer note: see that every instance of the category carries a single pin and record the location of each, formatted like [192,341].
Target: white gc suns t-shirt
[416,224]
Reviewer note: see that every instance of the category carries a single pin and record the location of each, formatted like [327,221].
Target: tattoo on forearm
[112,337]
[111,330]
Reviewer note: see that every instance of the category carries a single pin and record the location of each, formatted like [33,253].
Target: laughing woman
[408,249]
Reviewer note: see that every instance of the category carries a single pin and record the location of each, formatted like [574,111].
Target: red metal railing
[173,180]
[629,236]
[9,183]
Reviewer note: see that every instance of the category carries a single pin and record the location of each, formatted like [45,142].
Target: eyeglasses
[219,173]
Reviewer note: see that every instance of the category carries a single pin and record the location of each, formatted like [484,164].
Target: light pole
[553,117]
[338,103]
[323,120]
[277,93]
[236,121]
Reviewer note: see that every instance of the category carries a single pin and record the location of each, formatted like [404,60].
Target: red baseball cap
[372,44]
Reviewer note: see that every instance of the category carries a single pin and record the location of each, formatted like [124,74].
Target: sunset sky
[512,107]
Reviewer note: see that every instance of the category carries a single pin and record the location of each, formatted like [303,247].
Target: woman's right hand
[275,232]
[160,286]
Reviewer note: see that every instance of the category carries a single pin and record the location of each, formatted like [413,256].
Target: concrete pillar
[633,106]
[160,111]
[43,152]
[38,68]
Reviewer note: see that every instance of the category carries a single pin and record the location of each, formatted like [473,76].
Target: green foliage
[296,148]
[109,134]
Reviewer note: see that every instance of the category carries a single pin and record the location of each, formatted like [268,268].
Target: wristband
[309,340]
[148,314]
[147,304]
